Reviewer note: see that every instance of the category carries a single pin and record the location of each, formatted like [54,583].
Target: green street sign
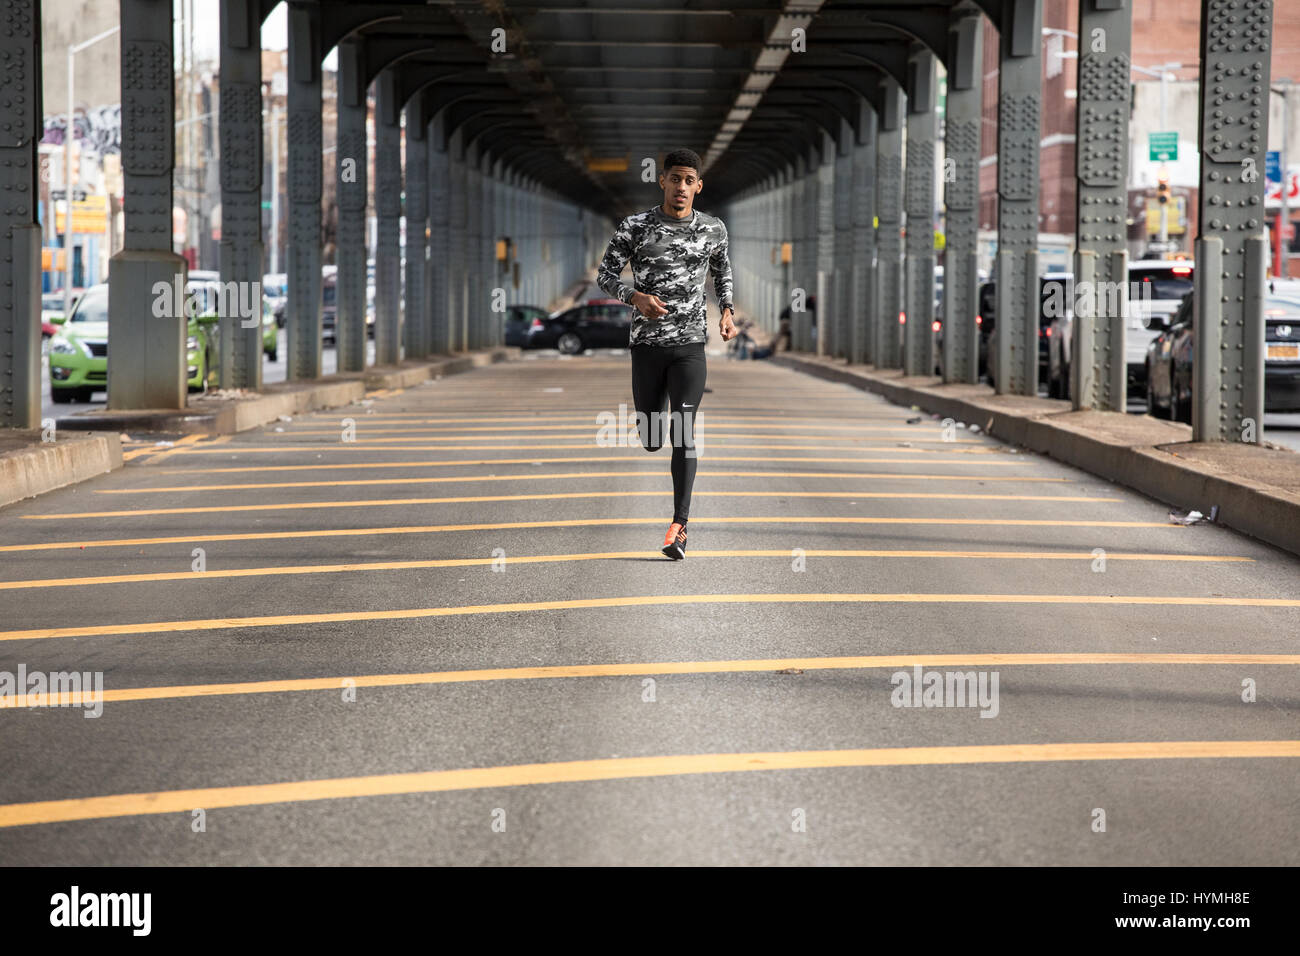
[1163,147]
[266,204]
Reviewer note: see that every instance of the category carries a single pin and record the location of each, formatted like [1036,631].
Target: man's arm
[611,267]
[720,268]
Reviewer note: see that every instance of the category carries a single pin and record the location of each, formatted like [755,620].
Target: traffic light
[1162,191]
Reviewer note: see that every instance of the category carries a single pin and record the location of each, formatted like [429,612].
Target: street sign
[1273,166]
[1163,147]
[58,195]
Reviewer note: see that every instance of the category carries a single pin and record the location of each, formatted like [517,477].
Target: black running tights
[670,375]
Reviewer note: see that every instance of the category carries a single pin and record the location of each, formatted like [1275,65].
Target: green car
[78,354]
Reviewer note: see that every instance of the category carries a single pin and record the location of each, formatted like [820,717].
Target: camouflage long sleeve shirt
[669,259]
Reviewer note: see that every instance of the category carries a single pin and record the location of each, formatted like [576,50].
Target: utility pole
[1282,161]
[68,133]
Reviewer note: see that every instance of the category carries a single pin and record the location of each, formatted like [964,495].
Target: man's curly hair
[683,157]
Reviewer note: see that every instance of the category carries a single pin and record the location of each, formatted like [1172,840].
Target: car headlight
[62,346]
[192,343]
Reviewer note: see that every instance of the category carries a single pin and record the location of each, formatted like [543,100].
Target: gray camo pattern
[670,260]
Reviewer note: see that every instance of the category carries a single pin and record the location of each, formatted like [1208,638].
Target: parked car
[1169,361]
[78,354]
[51,308]
[988,322]
[1156,290]
[583,327]
[519,319]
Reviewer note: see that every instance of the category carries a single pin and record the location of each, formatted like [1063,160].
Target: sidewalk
[1255,487]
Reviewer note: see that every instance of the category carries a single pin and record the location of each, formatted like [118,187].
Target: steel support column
[240,337]
[922,131]
[803,268]
[842,278]
[20,236]
[415,333]
[825,239]
[458,282]
[146,353]
[889,210]
[1097,377]
[352,170]
[303,310]
[439,238]
[388,213]
[961,196]
[1232,246]
[864,238]
[1019,108]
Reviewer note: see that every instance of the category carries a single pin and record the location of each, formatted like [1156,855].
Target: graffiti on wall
[98,129]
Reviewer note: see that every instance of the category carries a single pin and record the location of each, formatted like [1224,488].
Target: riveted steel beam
[146,351]
[20,235]
[889,210]
[1232,247]
[240,130]
[922,132]
[961,195]
[1097,375]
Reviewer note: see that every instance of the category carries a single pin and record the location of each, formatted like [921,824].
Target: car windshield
[329,293]
[1172,283]
[91,307]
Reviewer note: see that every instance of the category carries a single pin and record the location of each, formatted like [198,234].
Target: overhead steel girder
[383,52]
[926,23]
[853,80]
[782,152]
[887,56]
[828,107]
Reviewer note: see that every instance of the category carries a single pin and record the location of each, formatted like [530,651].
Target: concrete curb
[32,466]
[1138,452]
[29,466]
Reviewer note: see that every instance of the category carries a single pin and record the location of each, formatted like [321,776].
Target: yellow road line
[657,600]
[473,499]
[202,536]
[318,447]
[854,459]
[564,671]
[701,434]
[622,768]
[548,476]
[701,422]
[783,553]
[429,418]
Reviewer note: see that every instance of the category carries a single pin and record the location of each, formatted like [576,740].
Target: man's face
[680,184]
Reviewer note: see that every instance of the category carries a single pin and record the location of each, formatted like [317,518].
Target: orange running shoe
[675,541]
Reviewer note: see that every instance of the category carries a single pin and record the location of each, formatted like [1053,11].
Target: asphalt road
[448,636]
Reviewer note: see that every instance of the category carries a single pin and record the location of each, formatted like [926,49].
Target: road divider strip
[623,768]
[784,554]
[205,536]
[472,499]
[566,671]
[550,476]
[638,600]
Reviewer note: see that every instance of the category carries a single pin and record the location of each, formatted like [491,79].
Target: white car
[1156,290]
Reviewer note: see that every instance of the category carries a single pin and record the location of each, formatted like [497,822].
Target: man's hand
[651,306]
[726,327]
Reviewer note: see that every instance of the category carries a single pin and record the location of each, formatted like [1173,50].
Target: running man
[671,246]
